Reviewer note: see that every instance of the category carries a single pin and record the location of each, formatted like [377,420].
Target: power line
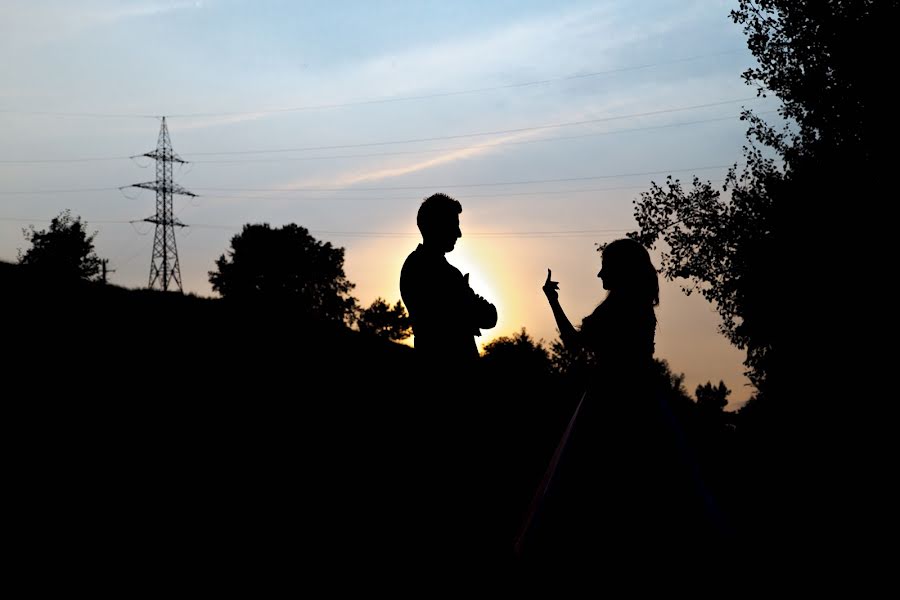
[28,161]
[375,100]
[400,188]
[481,133]
[475,234]
[412,197]
[87,221]
[48,113]
[59,191]
[398,152]
[386,234]
[467,185]
[502,195]
[477,146]
[456,92]
[482,234]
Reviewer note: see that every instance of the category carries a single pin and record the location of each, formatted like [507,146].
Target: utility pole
[164,269]
[104,270]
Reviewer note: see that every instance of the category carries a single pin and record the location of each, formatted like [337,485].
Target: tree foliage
[386,321]
[518,352]
[64,250]
[724,248]
[711,398]
[821,59]
[744,246]
[285,266]
[564,360]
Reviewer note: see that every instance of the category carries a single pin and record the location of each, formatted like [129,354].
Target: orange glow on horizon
[509,272]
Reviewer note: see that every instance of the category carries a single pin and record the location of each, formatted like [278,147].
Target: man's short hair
[435,211]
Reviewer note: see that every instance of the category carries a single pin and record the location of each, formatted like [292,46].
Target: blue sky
[245,63]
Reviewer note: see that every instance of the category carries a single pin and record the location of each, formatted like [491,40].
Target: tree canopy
[745,246]
[386,321]
[711,398]
[821,59]
[285,266]
[518,352]
[64,250]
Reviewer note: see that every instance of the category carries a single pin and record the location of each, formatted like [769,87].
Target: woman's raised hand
[551,288]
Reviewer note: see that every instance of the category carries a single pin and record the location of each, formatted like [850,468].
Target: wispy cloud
[526,50]
[37,22]
[468,61]
[381,173]
[145,9]
[546,46]
[488,58]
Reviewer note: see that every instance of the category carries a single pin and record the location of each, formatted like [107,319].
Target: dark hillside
[155,422]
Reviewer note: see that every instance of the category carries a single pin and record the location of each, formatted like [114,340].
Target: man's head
[438,220]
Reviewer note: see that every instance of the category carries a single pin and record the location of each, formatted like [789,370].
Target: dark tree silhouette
[286,266]
[571,364]
[734,247]
[384,320]
[519,352]
[64,250]
[712,399]
[762,247]
[669,382]
[723,246]
[818,58]
[565,361]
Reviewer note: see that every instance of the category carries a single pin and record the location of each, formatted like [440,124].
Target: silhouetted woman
[617,339]
[610,482]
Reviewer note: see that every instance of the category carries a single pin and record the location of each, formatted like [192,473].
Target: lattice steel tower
[164,269]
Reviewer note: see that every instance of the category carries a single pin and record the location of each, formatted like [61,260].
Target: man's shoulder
[416,254]
[420,258]
[415,269]
[415,258]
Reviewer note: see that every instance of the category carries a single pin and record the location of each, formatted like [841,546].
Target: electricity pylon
[164,269]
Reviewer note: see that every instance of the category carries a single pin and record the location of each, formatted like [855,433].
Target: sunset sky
[545,119]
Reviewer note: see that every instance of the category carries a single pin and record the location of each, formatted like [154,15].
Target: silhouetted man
[446,314]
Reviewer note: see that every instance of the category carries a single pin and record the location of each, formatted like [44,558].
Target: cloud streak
[546,45]
[382,173]
[28,23]
[487,57]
